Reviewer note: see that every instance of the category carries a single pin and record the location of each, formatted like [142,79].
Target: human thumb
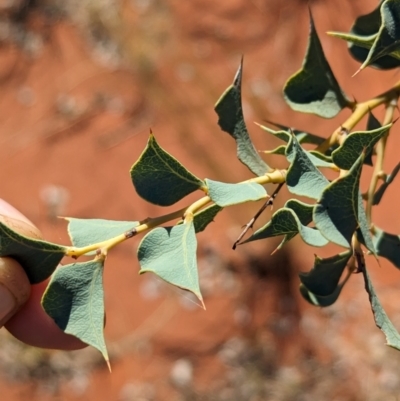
[14,288]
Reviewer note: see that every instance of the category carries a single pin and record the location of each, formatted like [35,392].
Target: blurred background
[81,84]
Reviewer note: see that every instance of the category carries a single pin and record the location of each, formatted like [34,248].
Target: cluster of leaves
[338,212]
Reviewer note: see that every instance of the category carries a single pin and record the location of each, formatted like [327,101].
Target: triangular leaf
[302,136]
[382,320]
[203,218]
[372,124]
[368,24]
[231,120]
[280,150]
[322,156]
[387,41]
[364,227]
[319,300]
[363,35]
[170,252]
[224,194]
[336,213]
[318,159]
[324,277]
[159,178]
[304,211]
[359,48]
[302,177]
[38,258]
[283,134]
[74,299]
[387,245]
[365,42]
[285,222]
[382,189]
[85,232]
[348,152]
[314,88]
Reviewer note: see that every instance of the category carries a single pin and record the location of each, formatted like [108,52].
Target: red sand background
[78,97]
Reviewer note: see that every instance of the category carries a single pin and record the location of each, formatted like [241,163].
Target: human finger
[21,311]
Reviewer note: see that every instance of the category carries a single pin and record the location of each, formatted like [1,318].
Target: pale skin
[27,320]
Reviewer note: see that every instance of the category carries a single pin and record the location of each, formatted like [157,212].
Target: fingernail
[8,303]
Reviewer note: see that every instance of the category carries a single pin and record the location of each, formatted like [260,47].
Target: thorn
[250,224]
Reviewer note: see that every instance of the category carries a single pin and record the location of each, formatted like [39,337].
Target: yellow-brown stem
[360,110]
[380,155]
[275,176]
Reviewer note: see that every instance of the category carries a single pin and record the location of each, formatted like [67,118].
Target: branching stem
[380,155]
[250,224]
[360,110]
[187,213]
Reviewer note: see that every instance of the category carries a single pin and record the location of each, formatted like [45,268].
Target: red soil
[70,121]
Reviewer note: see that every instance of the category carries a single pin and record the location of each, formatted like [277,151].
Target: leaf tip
[358,71]
[108,363]
[202,304]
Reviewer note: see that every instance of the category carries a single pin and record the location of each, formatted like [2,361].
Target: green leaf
[302,177]
[159,178]
[283,134]
[317,158]
[363,35]
[323,279]
[280,150]
[85,232]
[368,24]
[387,245]
[387,41]
[203,218]
[365,42]
[359,48]
[74,299]
[224,194]
[336,213]
[319,300]
[304,211]
[348,152]
[382,189]
[38,258]
[382,320]
[170,253]
[372,124]
[302,136]
[321,156]
[314,88]
[231,120]
[286,222]
[364,227]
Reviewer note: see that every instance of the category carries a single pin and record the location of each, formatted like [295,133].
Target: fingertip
[8,210]
[27,320]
